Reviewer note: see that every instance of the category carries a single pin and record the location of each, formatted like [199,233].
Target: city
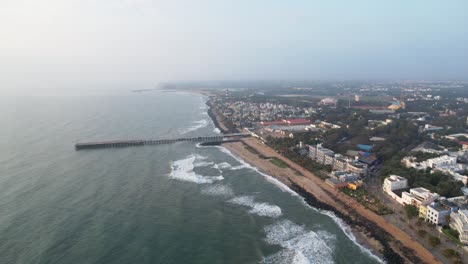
[398,149]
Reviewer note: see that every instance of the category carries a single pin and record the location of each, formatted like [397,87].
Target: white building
[445,164]
[328,157]
[437,212]
[459,222]
[418,196]
[393,183]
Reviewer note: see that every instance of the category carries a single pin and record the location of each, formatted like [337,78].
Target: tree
[433,241]
[448,252]
[411,211]
[422,233]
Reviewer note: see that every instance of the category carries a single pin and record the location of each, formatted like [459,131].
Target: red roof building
[286,122]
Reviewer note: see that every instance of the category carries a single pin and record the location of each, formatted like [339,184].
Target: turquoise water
[155,204]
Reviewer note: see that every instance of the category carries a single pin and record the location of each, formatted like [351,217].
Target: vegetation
[368,200]
[435,182]
[411,211]
[422,233]
[449,253]
[278,162]
[433,241]
[421,156]
[252,150]
[452,235]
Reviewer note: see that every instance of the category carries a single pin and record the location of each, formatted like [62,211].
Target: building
[321,155]
[437,212]
[418,196]
[434,163]
[394,182]
[328,157]
[328,101]
[344,176]
[429,127]
[393,186]
[459,222]
[357,167]
[445,164]
[428,147]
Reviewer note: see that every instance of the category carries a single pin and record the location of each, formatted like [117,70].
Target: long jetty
[142,142]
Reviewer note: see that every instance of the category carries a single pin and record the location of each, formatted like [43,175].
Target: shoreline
[370,231]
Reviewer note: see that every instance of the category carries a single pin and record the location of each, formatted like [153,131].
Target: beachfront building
[321,155]
[418,196]
[393,185]
[437,212]
[459,222]
[338,162]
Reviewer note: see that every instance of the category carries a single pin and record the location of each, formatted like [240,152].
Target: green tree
[411,211]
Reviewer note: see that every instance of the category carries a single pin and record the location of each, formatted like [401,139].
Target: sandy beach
[370,229]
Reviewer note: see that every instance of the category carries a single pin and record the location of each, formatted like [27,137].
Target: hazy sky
[75,46]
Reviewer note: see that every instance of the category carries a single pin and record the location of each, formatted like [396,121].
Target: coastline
[370,231]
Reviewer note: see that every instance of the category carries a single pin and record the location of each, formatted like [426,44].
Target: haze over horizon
[87,47]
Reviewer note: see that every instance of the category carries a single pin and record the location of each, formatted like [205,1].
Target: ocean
[178,203]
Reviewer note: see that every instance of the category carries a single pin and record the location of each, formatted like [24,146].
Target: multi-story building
[418,196]
[394,183]
[459,222]
[328,157]
[437,212]
[357,167]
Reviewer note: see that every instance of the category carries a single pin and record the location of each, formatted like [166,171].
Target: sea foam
[183,170]
[218,190]
[299,245]
[261,209]
[343,226]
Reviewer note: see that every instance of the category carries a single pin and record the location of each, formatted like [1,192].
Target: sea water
[177,203]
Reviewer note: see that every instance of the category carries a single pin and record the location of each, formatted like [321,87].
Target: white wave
[216,130]
[269,178]
[183,170]
[203,164]
[299,245]
[343,226]
[218,190]
[261,209]
[195,126]
[224,165]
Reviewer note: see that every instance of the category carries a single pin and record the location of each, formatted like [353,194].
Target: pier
[143,142]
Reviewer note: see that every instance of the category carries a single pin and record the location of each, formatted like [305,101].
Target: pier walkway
[142,142]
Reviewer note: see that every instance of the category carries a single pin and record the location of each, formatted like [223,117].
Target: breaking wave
[343,226]
[218,190]
[195,125]
[299,245]
[183,170]
[261,209]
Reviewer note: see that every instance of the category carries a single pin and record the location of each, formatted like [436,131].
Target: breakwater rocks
[213,118]
[368,227]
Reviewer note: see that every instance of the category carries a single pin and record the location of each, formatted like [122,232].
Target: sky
[100,46]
